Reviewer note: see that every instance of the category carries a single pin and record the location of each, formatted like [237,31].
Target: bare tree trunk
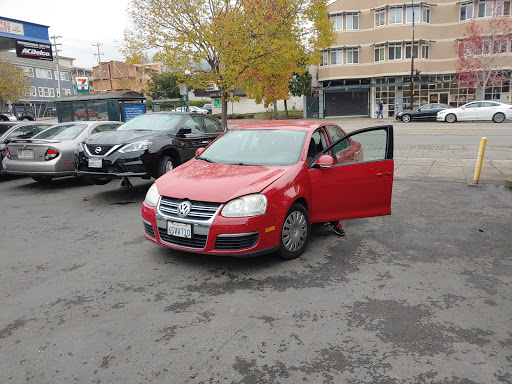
[224,112]
[286,108]
[275,111]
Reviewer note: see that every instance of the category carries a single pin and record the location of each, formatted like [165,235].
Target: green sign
[216,103]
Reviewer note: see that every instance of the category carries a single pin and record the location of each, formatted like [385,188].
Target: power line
[97,45]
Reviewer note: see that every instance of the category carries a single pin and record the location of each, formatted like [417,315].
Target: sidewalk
[456,170]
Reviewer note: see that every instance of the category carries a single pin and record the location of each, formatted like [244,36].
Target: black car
[425,112]
[146,146]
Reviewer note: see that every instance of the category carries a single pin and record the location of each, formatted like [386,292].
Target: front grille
[148,228]
[104,149]
[200,210]
[197,241]
[236,242]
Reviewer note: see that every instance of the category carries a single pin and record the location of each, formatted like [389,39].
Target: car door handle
[384,174]
[206,142]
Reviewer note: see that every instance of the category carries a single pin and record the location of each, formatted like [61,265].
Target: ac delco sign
[31,50]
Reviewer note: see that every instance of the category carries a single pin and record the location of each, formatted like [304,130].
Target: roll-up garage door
[347,103]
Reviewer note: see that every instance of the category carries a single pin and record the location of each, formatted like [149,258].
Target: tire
[450,118]
[294,233]
[165,164]
[406,118]
[42,179]
[498,117]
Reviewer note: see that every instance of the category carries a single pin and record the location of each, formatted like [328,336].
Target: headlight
[137,146]
[152,196]
[79,147]
[250,205]
[400,114]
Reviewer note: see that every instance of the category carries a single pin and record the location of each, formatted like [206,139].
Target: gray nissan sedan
[50,153]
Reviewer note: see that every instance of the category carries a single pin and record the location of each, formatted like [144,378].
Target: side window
[213,126]
[335,133]
[195,123]
[21,133]
[104,128]
[317,143]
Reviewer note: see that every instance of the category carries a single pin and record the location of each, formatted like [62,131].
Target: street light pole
[99,54]
[412,58]
[55,44]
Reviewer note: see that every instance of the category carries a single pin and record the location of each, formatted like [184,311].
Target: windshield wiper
[206,159]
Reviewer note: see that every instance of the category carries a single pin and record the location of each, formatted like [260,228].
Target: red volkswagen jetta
[258,188]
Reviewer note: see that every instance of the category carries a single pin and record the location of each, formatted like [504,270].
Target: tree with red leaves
[481,55]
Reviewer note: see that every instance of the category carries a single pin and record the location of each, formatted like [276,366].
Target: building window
[57,91]
[52,92]
[352,20]
[395,15]
[33,91]
[466,11]
[425,50]
[67,92]
[40,90]
[425,12]
[486,46]
[395,52]
[379,53]
[325,57]
[55,75]
[337,56]
[38,73]
[338,22]
[500,45]
[485,8]
[352,55]
[408,50]
[46,92]
[64,76]
[502,8]
[412,12]
[380,17]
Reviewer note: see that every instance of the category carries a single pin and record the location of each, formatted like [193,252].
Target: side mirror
[199,151]
[185,131]
[325,161]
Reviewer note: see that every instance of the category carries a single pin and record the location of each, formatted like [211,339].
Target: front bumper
[114,166]
[226,236]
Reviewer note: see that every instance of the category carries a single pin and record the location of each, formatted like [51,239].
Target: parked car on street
[425,112]
[17,130]
[258,188]
[18,111]
[191,109]
[147,146]
[477,110]
[208,108]
[50,153]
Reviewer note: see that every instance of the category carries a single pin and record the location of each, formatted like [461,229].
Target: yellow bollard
[479,160]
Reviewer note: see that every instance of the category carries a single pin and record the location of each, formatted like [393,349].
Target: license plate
[179,229]
[95,163]
[27,154]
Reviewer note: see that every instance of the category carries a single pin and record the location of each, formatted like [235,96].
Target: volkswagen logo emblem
[97,149]
[184,208]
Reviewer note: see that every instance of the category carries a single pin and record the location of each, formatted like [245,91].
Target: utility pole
[97,45]
[55,44]
[412,58]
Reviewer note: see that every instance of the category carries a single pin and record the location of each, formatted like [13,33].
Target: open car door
[353,177]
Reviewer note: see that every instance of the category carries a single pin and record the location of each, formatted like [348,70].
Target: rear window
[62,132]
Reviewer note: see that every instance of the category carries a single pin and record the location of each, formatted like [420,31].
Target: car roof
[88,123]
[292,125]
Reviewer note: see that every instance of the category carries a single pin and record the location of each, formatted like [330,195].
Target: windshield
[256,147]
[62,132]
[152,122]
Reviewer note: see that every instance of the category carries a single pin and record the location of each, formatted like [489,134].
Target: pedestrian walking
[380,109]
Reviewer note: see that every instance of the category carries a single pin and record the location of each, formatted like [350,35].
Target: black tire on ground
[498,117]
[42,179]
[295,232]
[406,118]
[165,164]
[450,118]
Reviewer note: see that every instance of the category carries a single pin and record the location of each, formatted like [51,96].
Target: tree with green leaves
[163,86]
[14,83]
[238,40]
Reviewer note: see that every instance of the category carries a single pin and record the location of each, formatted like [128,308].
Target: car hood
[121,137]
[201,181]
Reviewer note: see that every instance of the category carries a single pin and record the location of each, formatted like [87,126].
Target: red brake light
[7,153]
[51,154]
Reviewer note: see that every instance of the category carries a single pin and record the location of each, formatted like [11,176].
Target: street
[423,295]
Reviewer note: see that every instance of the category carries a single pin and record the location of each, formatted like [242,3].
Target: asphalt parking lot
[421,296]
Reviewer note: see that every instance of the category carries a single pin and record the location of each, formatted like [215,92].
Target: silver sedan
[50,153]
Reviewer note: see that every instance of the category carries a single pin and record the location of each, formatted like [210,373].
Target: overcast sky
[80,23]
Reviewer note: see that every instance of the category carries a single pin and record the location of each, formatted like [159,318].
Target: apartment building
[372,56]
